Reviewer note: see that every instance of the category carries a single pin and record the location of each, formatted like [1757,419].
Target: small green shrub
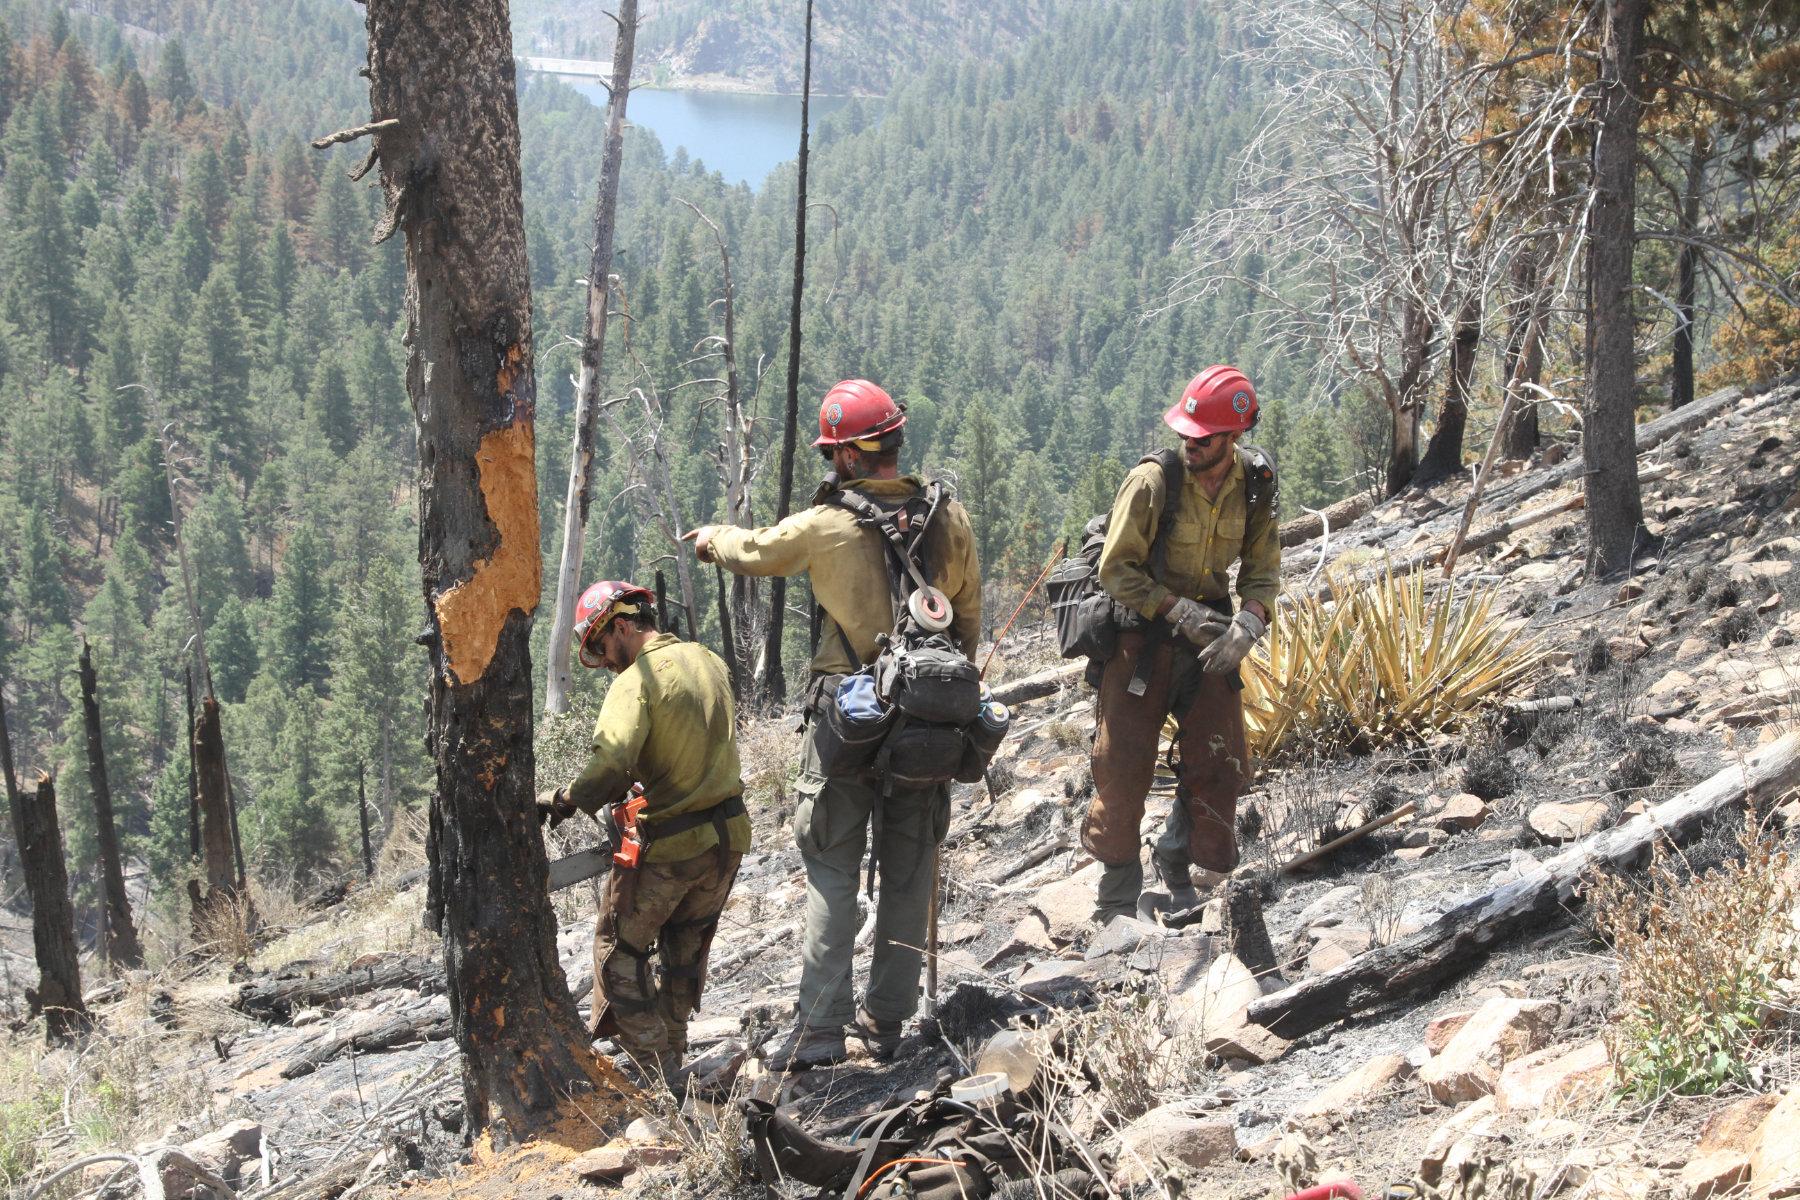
[1702,960]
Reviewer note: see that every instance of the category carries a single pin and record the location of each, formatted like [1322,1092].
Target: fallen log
[276,999]
[1308,526]
[1465,935]
[1044,683]
[396,1031]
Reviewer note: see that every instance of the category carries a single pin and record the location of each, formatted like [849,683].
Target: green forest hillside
[985,242]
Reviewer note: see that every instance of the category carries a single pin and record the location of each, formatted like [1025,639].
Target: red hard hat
[596,609]
[1218,400]
[857,410]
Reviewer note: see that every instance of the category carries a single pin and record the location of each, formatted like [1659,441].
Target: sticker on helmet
[1191,405]
[1241,402]
[834,413]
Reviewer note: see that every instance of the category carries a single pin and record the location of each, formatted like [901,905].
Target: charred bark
[443,70]
[1524,358]
[217,847]
[58,993]
[1443,454]
[120,943]
[593,348]
[774,677]
[1687,275]
[362,816]
[1615,507]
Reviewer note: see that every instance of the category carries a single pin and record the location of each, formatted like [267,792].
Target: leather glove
[553,807]
[1229,649]
[1195,622]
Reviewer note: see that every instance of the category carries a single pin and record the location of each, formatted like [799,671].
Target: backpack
[1088,620]
[919,714]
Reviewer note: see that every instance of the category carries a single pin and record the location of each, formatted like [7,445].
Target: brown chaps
[1213,760]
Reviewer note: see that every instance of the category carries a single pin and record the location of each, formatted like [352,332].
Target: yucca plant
[1389,659]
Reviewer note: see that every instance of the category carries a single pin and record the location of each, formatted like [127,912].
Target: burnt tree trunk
[362,816]
[193,772]
[1615,507]
[1687,274]
[442,72]
[120,944]
[58,993]
[1443,454]
[593,348]
[9,861]
[774,677]
[1524,358]
[218,849]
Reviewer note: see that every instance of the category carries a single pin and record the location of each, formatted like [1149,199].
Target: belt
[654,829]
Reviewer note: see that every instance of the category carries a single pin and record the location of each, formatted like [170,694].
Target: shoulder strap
[905,557]
[1173,475]
[1259,478]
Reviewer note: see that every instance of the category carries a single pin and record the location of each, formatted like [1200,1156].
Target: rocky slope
[1657,683]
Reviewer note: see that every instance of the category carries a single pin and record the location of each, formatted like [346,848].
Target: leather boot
[1117,896]
[1177,876]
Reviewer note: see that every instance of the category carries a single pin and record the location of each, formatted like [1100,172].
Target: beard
[1199,461]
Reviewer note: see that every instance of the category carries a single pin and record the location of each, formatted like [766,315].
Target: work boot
[1177,877]
[879,1039]
[1117,895]
[806,1047]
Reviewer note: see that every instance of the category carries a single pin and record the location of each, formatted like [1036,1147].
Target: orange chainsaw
[622,846]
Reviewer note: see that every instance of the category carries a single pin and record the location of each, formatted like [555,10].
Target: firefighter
[1184,660]
[668,724]
[860,435]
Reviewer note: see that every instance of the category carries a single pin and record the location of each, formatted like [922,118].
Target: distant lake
[738,134]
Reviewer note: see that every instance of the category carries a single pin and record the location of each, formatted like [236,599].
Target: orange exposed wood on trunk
[471,614]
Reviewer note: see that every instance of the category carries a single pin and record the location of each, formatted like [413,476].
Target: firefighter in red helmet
[861,429]
[1181,643]
[668,725]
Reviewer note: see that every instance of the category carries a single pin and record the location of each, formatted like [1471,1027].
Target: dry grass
[1706,962]
[1392,659]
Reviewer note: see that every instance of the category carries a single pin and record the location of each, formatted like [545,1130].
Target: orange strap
[876,1173]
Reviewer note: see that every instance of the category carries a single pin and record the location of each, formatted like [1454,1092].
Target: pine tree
[339,227]
[282,266]
[231,650]
[215,367]
[174,85]
[300,616]
[41,296]
[377,676]
[328,406]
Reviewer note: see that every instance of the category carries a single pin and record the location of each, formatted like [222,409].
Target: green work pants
[832,822]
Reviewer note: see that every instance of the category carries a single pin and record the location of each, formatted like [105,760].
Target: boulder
[1122,935]
[1554,1079]
[605,1164]
[1443,1027]
[1219,1000]
[1734,1127]
[1775,1156]
[1501,1030]
[1247,1043]
[1332,947]
[1067,906]
[1462,811]
[225,1150]
[1353,1091]
[1457,1138]
[1165,1133]
[1556,822]
[1715,1174]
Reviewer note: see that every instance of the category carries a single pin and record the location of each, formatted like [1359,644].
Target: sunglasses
[1201,443]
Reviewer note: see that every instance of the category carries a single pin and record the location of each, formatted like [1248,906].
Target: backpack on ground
[1088,621]
[919,714]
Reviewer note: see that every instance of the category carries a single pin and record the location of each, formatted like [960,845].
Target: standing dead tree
[441,88]
[774,678]
[222,854]
[593,347]
[1615,506]
[119,939]
[1352,219]
[58,993]
[736,459]
[652,474]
